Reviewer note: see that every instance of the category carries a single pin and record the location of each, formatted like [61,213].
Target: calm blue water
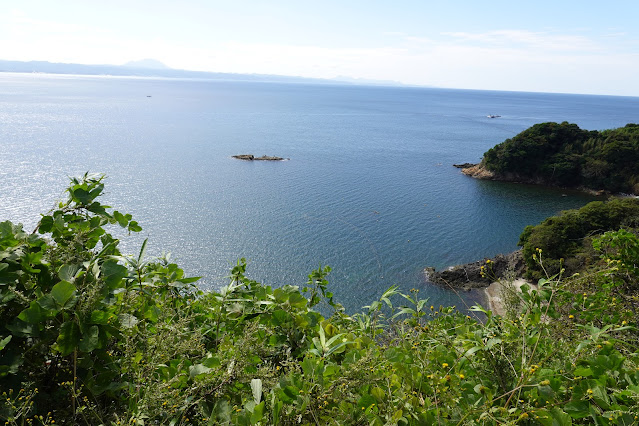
[369,189]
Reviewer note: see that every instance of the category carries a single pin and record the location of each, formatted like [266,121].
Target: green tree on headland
[566,239]
[565,155]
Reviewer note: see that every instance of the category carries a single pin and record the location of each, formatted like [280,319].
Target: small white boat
[493,116]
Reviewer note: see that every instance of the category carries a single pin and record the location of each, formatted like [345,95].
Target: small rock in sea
[251,157]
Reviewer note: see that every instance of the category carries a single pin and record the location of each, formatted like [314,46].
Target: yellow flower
[445,365]
[571,316]
[461,376]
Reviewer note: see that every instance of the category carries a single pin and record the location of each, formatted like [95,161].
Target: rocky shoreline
[484,280]
[479,274]
[477,171]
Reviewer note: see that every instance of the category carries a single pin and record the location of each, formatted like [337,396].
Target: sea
[369,187]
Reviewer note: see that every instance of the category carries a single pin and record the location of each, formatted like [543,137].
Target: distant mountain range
[154,68]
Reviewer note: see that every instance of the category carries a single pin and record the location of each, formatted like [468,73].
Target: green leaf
[560,418]
[577,409]
[34,314]
[46,224]
[258,413]
[142,251]
[90,339]
[585,372]
[63,293]
[5,341]
[22,328]
[366,401]
[211,362]
[100,317]
[69,338]
[68,272]
[197,369]
[128,320]
[280,317]
[120,218]
[152,313]
[113,273]
[289,394]
[296,300]
[134,227]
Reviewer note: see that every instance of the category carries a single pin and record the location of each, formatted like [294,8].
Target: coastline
[494,294]
[485,280]
[477,171]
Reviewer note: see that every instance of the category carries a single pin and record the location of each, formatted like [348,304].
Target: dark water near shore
[369,188]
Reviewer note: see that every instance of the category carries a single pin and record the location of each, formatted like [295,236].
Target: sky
[561,46]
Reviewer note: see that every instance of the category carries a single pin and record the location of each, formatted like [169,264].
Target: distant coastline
[155,69]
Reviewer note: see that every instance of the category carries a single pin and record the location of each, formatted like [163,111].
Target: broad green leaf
[63,293]
[90,339]
[128,320]
[258,413]
[366,401]
[22,328]
[68,272]
[120,218]
[296,300]
[560,418]
[46,224]
[577,409]
[378,393]
[79,195]
[151,313]
[289,394]
[100,317]
[585,372]
[68,338]
[34,314]
[197,369]
[601,397]
[113,273]
[211,362]
[134,227]
[280,317]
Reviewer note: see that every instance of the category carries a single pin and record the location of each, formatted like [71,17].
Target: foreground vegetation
[90,336]
[565,155]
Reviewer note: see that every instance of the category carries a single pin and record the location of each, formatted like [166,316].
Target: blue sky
[546,46]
